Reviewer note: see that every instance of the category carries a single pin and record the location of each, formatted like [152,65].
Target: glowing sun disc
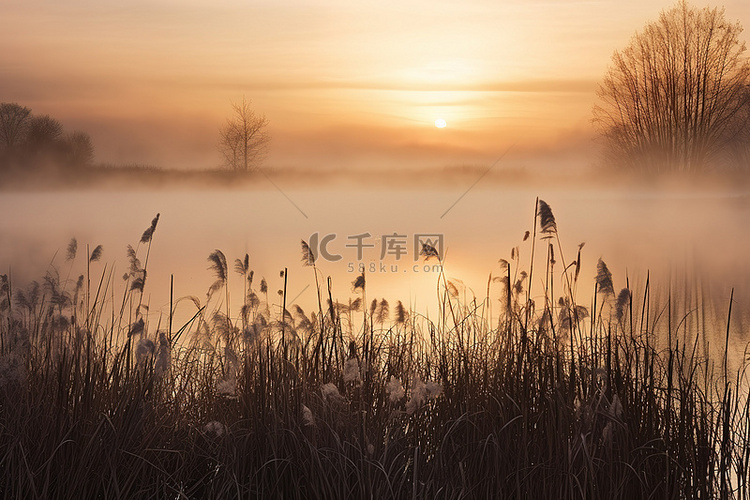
[440,123]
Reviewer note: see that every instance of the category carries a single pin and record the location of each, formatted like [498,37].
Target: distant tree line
[32,142]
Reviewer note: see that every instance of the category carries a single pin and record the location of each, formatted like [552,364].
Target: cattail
[551,254]
[546,220]
[263,286]
[72,249]
[308,257]
[96,254]
[604,279]
[526,235]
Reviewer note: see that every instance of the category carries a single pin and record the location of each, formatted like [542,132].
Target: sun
[440,123]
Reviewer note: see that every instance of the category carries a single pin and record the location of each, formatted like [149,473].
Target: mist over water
[678,236]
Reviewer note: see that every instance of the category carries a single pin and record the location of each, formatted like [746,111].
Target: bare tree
[676,96]
[13,124]
[244,139]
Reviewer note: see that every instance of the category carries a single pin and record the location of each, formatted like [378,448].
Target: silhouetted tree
[676,96]
[80,150]
[244,139]
[29,142]
[13,123]
[42,141]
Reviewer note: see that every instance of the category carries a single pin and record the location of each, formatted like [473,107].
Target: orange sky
[343,83]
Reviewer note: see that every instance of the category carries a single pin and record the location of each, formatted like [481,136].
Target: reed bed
[536,396]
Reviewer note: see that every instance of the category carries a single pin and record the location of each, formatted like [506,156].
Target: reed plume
[604,279]
[546,220]
[138,283]
[242,266]
[72,249]
[136,328]
[149,232]
[218,264]
[382,312]
[308,257]
[96,254]
[359,283]
[401,314]
[135,263]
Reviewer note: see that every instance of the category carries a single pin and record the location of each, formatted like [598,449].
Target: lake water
[671,233]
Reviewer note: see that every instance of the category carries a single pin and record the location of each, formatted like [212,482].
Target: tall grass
[544,398]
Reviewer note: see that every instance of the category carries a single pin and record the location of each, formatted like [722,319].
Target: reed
[548,398]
